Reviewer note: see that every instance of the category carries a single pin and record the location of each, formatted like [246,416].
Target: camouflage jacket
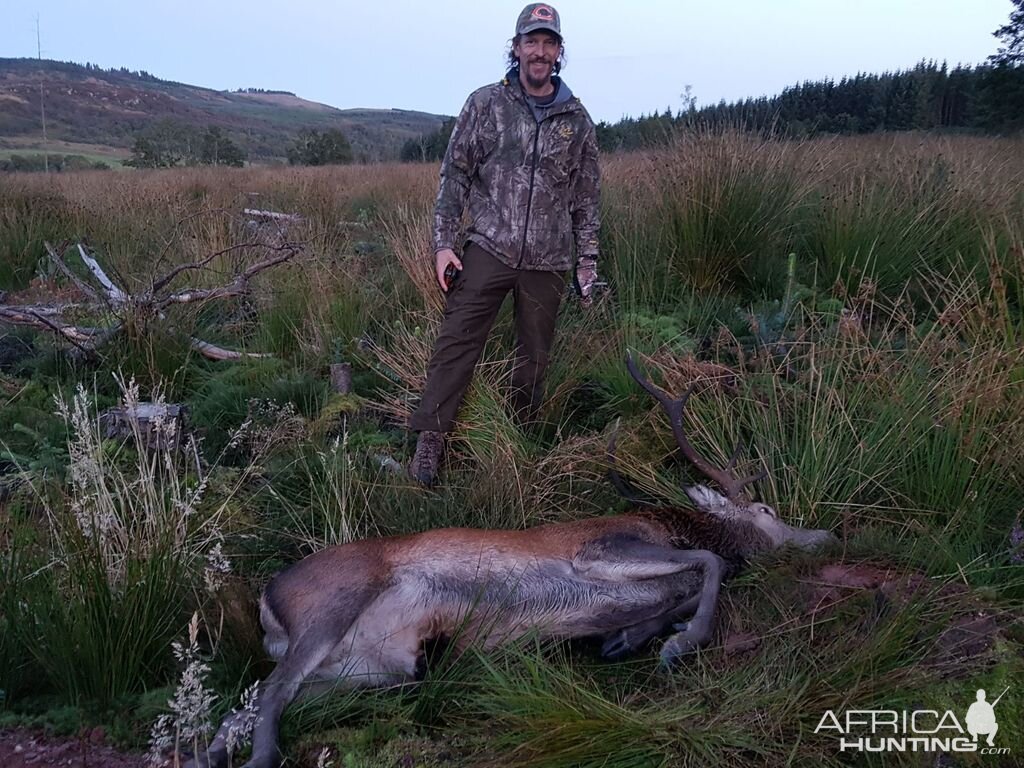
[531,186]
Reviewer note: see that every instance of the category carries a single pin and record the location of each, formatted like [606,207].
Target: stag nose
[813,539]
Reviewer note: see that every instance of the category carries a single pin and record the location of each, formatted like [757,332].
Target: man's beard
[537,83]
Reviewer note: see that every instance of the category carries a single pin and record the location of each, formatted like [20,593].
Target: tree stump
[341,378]
[161,426]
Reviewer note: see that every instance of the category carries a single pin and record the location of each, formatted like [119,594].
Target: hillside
[92,107]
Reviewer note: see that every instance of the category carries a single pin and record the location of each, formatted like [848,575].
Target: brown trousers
[473,303]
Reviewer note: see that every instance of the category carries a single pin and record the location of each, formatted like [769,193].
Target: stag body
[360,614]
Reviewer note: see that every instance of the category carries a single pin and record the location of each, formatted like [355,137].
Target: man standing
[523,154]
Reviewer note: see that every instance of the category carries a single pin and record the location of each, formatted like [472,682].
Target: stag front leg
[697,632]
[626,558]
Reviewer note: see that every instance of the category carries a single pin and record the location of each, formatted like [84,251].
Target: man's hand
[586,280]
[442,259]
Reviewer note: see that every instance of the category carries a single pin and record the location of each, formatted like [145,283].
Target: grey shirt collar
[562,94]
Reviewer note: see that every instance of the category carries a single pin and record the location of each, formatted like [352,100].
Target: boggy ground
[850,308]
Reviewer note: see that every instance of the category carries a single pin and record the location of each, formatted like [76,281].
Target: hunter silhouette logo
[981,717]
[919,730]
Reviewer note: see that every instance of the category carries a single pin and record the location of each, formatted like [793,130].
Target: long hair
[513,61]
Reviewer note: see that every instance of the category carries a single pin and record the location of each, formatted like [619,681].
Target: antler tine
[734,457]
[749,479]
[732,486]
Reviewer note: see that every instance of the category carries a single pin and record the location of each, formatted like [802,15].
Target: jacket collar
[564,99]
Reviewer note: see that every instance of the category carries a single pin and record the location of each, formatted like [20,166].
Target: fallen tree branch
[47,310]
[160,284]
[236,287]
[255,213]
[213,352]
[85,338]
[58,261]
[116,296]
[139,311]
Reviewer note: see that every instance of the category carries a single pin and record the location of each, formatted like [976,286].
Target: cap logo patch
[543,13]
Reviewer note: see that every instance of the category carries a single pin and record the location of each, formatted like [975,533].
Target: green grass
[852,309]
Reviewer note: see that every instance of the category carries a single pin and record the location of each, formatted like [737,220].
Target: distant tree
[51,163]
[429,147]
[215,148]
[164,144]
[1011,35]
[314,147]
[168,143]
[1000,91]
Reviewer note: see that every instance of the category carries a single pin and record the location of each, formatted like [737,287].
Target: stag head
[751,526]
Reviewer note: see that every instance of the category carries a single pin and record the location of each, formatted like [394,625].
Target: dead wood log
[58,261]
[213,352]
[341,378]
[138,311]
[258,215]
[160,426]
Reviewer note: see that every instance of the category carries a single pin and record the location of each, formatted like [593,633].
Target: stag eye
[764,508]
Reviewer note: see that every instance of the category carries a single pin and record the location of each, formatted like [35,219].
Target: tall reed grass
[851,309]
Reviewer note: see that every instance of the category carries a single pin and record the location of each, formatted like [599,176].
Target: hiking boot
[424,464]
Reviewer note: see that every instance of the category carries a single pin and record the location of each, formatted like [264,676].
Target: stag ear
[708,500]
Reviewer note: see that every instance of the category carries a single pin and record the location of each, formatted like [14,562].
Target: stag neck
[731,538]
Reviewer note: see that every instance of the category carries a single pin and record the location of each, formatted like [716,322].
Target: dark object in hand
[451,274]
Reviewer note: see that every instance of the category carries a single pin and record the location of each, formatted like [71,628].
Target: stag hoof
[617,645]
[687,641]
[630,639]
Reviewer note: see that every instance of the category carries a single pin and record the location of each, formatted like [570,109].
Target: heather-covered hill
[107,108]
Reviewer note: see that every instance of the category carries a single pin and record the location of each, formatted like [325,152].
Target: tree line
[983,99]
[987,98]
[169,143]
[54,163]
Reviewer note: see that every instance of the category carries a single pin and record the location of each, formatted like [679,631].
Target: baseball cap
[538,16]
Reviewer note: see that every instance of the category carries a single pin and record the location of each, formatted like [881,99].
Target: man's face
[537,53]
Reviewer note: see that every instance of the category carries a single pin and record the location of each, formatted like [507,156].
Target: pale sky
[625,58]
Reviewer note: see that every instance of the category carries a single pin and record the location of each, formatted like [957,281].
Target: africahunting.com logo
[919,730]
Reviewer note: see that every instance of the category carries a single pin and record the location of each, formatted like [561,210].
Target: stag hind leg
[305,653]
[636,636]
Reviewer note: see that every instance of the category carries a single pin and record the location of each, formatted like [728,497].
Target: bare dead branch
[115,295]
[47,310]
[147,307]
[85,338]
[236,287]
[162,256]
[213,352]
[162,282]
[254,213]
[58,261]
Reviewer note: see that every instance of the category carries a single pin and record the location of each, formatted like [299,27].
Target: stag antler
[732,485]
